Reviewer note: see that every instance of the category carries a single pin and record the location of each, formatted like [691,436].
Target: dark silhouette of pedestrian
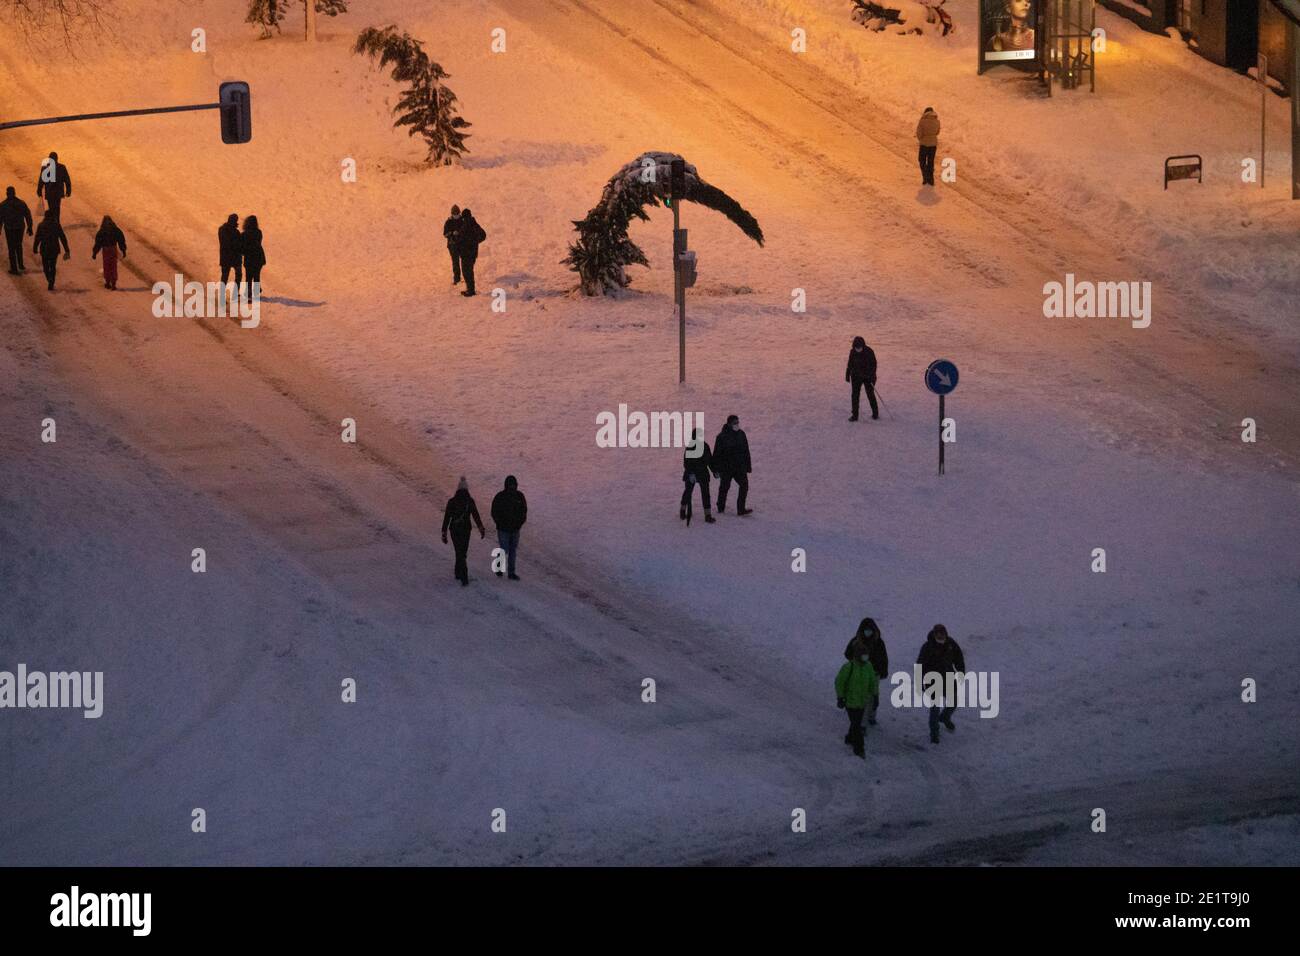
[860,373]
[509,512]
[927,138]
[49,236]
[449,230]
[940,655]
[695,471]
[868,635]
[15,216]
[250,247]
[232,256]
[109,239]
[731,462]
[856,685]
[54,183]
[456,518]
[468,237]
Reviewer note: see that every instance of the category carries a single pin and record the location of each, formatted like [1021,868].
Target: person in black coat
[110,240]
[449,230]
[868,635]
[731,462]
[456,518]
[940,655]
[860,373]
[14,217]
[468,237]
[232,255]
[49,236]
[54,184]
[695,471]
[509,512]
[250,247]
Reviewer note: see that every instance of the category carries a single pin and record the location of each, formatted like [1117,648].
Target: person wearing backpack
[468,237]
[456,518]
[855,685]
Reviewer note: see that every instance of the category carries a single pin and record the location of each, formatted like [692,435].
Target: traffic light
[236,113]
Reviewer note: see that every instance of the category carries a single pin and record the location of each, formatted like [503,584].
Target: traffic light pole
[232,100]
[679,287]
[93,116]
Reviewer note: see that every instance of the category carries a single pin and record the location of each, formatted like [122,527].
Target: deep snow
[223,689]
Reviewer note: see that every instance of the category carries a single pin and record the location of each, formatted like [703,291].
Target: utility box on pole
[688,264]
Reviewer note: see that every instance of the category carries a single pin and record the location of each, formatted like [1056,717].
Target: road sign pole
[941,434]
[941,378]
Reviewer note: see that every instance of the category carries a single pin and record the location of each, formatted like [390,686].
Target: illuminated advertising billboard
[1007,31]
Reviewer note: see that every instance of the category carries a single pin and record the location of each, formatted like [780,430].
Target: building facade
[1230,33]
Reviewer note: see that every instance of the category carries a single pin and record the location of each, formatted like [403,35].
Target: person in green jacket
[855,686]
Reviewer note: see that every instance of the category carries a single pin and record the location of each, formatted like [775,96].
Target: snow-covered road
[528,698]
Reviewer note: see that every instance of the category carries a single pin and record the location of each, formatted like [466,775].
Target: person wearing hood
[456,518]
[868,636]
[231,251]
[14,216]
[54,184]
[860,373]
[449,230]
[250,247]
[927,138]
[509,512]
[855,686]
[49,236]
[468,237]
[695,471]
[940,655]
[731,460]
[110,240]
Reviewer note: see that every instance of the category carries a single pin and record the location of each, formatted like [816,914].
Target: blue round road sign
[941,377]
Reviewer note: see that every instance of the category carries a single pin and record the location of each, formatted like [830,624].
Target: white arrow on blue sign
[941,377]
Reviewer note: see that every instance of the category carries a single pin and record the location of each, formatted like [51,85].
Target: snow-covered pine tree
[427,106]
[268,14]
[603,250]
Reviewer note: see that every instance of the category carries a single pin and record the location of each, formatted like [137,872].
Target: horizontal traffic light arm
[92,116]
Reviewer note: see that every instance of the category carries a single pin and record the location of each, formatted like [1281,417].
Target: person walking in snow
[731,462]
[450,228]
[468,237]
[14,217]
[868,636]
[231,252]
[860,373]
[456,518]
[250,247]
[110,240]
[696,466]
[855,686]
[927,135]
[54,184]
[49,236]
[940,655]
[509,512]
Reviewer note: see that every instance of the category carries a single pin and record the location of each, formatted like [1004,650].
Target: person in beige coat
[927,134]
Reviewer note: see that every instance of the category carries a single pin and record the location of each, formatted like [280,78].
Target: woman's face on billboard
[1019,9]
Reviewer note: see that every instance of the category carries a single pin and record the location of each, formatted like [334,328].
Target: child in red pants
[109,239]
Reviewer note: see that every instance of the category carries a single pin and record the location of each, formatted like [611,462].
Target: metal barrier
[1184,171]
